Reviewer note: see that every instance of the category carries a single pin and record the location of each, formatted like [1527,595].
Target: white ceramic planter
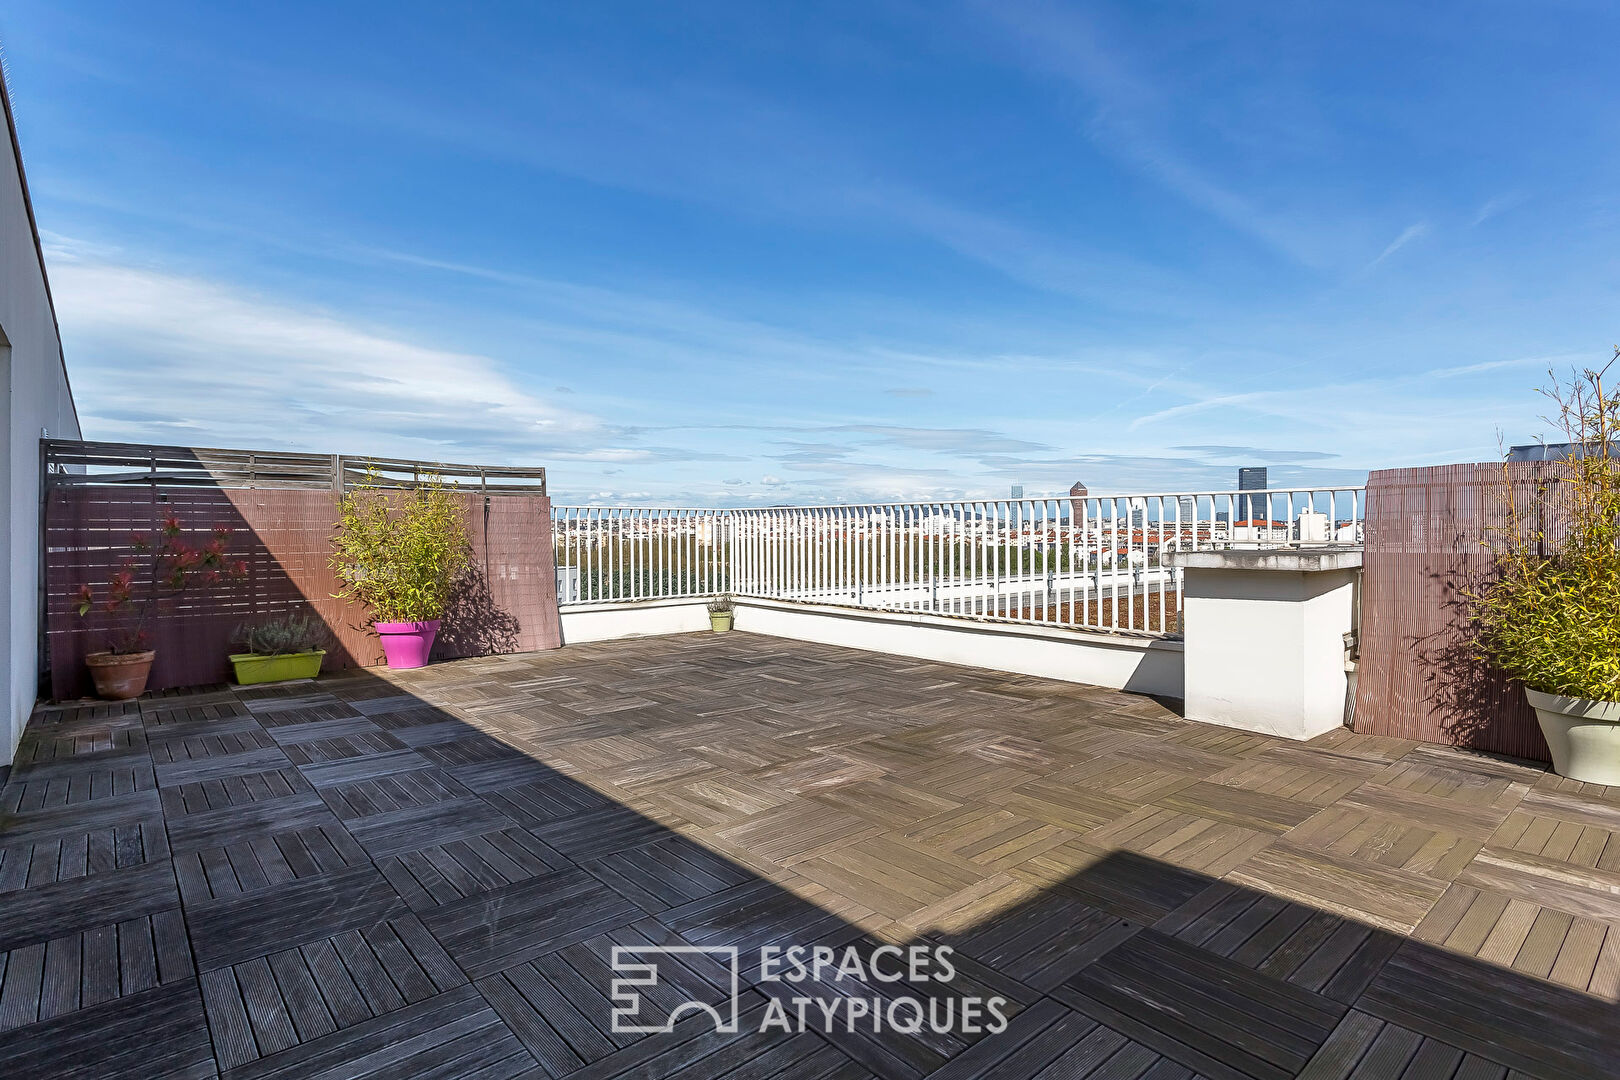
[1584,736]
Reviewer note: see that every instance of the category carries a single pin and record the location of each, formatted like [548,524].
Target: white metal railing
[1074,561]
[618,553]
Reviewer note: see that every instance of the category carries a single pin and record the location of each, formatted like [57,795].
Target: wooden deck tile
[390,833]
[1298,773]
[667,874]
[231,929]
[72,782]
[492,930]
[1388,899]
[1397,843]
[1132,887]
[237,790]
[1312,949]
[560,1006]
[1542,1029]
[55,910]
[265,859]
[272,1003]
[1567,949]
[1430,795]
[72,851]
[45,980]
[1043,940]
[1203,1011]
[1064,805]
[64,822]
[796,831]
[341,748]
[424,872]
[221,766]
[447,1035]
[890,876]
[1594,893]
[440,873]
[719,799]
[988,836]
[760,913]
[304,810]
[157,1034]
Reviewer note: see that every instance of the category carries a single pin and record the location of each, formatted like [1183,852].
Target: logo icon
[629,1013]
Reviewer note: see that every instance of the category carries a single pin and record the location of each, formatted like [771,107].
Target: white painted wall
[37,399]
[608,622]
[1265,647]
[1141,665]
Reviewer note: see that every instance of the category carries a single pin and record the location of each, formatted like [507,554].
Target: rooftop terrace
[425,873]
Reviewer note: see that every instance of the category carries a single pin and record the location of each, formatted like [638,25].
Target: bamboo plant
[401,553]
[1551,617]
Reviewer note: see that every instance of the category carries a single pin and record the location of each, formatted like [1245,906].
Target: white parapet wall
[1265,637]
[639,618]
[1121,662]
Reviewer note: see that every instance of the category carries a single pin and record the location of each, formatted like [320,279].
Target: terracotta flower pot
[120,676]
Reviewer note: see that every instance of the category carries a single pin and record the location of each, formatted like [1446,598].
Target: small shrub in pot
[720,612]
[402,553]
[274,650]
[1551,618]
[160,566]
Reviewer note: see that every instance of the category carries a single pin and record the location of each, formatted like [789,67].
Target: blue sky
[758,253]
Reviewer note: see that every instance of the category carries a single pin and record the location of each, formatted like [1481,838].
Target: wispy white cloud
[1127,114]
[1542,362]
[152,348]
[1497,206]
[1413,232]
[1250,401]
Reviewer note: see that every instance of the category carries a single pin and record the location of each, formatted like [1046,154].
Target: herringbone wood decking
[426,874]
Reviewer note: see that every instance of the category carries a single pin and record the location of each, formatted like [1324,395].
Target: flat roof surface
[427,873]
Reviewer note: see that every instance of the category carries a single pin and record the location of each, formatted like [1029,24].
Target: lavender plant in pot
[402,554]
[289,646]
[1551,617]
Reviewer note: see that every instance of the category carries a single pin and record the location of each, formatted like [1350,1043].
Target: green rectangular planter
[254,668]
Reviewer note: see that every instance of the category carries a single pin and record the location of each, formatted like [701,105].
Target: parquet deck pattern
[427,874]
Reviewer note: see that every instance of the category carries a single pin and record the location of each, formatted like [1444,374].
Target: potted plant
[401,554]
[275,650]
[1551,617]
[720,613]
[160,567]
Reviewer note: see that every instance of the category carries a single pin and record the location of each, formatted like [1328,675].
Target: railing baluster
[1074,561]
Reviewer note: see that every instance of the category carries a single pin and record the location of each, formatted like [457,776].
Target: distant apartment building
[1558,451]
[1250,508]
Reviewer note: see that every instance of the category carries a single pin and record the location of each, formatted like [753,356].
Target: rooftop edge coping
[1296,560]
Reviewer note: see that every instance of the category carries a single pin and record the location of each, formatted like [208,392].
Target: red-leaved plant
[161,566]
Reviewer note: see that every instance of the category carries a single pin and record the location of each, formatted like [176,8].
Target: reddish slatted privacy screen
[282,534]
[1431,538]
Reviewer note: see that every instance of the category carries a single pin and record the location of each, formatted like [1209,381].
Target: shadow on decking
[1112,964]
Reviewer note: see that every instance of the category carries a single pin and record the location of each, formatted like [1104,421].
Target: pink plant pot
[407,644]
